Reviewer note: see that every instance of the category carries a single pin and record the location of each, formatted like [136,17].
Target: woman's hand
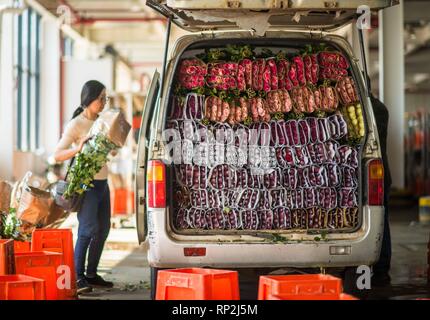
[64,155]
[81,143]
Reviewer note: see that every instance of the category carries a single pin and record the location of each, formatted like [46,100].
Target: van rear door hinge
[316,33]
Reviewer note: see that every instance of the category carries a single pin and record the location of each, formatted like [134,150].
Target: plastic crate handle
[19,285]
[310,288]
[39,262]
[180,282]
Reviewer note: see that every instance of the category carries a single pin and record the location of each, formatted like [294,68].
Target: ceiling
[417,48]
[133,29]
[138,33]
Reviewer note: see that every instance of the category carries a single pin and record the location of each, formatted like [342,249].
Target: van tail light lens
[156,188]
[376,183]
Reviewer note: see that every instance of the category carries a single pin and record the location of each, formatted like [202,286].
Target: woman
[94,215]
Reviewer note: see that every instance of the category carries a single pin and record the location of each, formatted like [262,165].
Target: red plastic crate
[197,284]
[22,246]
[136,122]
[299,285]
[7,262]
[42,265]
[122,201]
[61,241]
[342,296]
[21,287]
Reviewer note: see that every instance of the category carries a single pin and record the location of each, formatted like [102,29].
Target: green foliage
[320,114]
[250,93]
[278,116]
[247,121]
[226,210]
[236,53]
[320,47]
[231,53]
[9,225]
[212,55]
[281,55]
[278,238]
[88,163]
[266,53]
[295,116]
[205,122]
[180,91]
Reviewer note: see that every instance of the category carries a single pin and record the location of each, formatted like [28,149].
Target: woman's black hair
[90,92]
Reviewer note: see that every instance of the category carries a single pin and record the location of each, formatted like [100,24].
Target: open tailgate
[201,15]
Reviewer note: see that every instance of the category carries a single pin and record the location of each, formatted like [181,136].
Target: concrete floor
[124,262]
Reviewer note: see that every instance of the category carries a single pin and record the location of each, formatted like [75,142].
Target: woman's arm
[62,155]
[64,150]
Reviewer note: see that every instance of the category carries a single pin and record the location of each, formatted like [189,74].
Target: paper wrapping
[113,125]
[55,217]
[34,205]
[5,195]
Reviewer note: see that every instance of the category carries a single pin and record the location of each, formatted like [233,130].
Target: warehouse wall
[77,72]
[50,85]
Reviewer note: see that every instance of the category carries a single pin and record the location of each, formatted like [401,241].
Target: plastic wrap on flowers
[232,219]
[194,106]
[299,219]
[191,176]
[181,220]
[222,177]
[248,199]
[281,218]
[249,219]
[265,219]
[215,219]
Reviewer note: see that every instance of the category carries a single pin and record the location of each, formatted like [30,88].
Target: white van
[278,25]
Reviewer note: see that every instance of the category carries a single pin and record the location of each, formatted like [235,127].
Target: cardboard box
[113,124]
[5,195]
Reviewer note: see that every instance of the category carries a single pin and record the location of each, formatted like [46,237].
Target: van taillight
[156,177]
[376,183]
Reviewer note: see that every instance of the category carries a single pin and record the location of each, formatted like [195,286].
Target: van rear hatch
[304,172]
[206,73]
[198,15]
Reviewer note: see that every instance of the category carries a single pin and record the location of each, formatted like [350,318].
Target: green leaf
[88,164]
[278,238]
[324,234]
[278,116]
[266,53]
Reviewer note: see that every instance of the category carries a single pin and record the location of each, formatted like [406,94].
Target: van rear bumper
[360,248]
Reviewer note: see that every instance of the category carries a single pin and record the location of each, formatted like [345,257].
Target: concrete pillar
[391,84]
[50,85]
[7,94]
